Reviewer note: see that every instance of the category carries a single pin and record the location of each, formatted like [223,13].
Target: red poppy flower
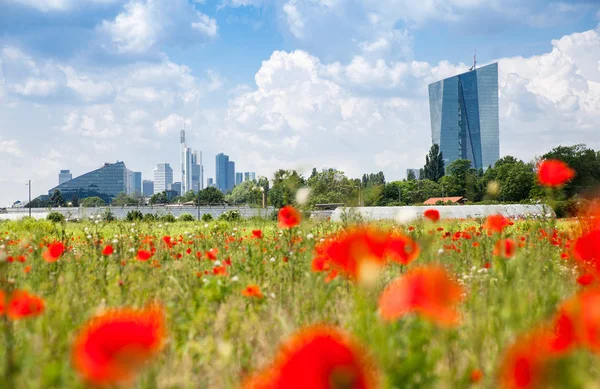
[111,347]
[318,357]
[554,173]
[587,251]
[496,223]
[21,304]
[432,214]
[476,375]
[220,270]
[108,250]
[583,313]
[525,363]
[212,254]
[257,234]
[288,217]
[143,255]
[428,291]
[53,252]
[505,248]
[252,291]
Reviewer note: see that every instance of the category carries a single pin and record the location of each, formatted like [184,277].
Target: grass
[217,336]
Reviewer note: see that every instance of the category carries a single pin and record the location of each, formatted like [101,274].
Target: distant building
[192,171]
[465,118]
[64,176]
[163,177]
[224,172]
[105,182]
[230,175]
[134,186]
[209,183]
[176,186]
[416,172]
[148,188]
[249,176]
[239,178]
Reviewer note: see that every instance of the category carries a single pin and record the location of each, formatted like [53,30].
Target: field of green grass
[216,336]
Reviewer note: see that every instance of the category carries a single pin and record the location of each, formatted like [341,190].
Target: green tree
[285,185]
[461,180]
[410,176]
[56,200]
[333,187]
[434,164]
[122,199]
[585,162]
[210,195]
[245,193]
[159,198]
[93,201]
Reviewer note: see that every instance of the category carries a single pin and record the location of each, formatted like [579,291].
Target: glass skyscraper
[464,116]
[225,172]
[163,177]
[105,182]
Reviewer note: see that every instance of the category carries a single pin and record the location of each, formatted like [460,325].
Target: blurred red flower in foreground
[143,255]
[361,252]
[108,250]
[111,347]
[257,234]
[318,357]
[252,291]
[289,217]
[53,252]
[554,173]
[505,248]
[21,304]
[496,223]
[587,251]
[476,375]
[432,214]
[428,291]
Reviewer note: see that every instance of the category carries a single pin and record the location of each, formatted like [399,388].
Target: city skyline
[267,83]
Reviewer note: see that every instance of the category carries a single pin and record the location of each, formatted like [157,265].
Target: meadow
[232,292]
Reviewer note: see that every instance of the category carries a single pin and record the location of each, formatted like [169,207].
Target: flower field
[301,304]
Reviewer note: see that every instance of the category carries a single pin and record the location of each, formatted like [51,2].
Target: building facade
[137,183]
[64,176]
[209,183]
[465,118]
[230,175]
[239,178]
[176,186]
[163,177]
[249,176]
[105,182]
[148,188]
[192,171]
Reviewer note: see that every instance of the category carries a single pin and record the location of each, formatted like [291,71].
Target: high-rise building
[209,182]
[221,165]
[464,116]
[105,182]
[163,177]
[230,175]
[192,171]
[176,186]
[64,176]
[137,183]
[148,187]
[249,176]
[239,178]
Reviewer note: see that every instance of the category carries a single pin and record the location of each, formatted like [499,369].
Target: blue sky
[278,83]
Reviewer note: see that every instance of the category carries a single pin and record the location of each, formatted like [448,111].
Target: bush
[55,217]
[206,217]
[168,218]
[566,208]
[134,215]
[186,217]
[149,217]
[108,216]
[231,216]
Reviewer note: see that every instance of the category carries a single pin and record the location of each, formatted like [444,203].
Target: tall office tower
[64,176]
[209,182]
[163,177]
[464,116]
[105,182]
[239,178]
[148,187]
[252,175]
[185,160]
[246,176]
[137,183]
[221,167]
[230,175]
[197,182]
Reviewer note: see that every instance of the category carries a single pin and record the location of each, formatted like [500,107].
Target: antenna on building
[474,61]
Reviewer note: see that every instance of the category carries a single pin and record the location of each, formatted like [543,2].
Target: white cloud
[171,123]
[47,6]
[146,24]
[10,147]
